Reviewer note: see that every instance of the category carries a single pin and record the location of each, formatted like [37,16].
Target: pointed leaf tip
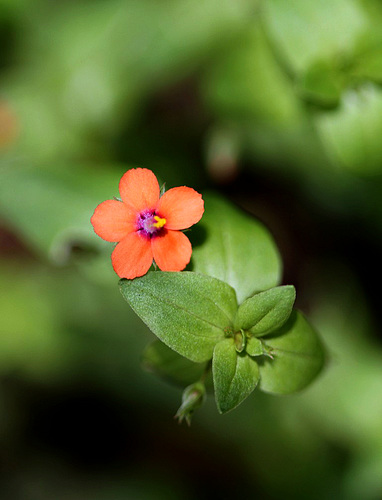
[235,375]
[266,311]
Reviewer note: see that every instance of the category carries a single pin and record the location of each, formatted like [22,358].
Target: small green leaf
[189,312]
[168,364]
[237,249]
[254,347]
[266,311]
[235,375]
[297,357]
[321,84]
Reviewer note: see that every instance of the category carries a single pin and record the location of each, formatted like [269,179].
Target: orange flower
[147,226]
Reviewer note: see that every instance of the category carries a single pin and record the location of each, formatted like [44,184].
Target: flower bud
[193,397]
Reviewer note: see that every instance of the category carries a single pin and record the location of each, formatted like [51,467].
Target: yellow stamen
[159,222]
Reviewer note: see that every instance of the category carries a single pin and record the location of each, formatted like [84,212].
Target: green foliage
[168,364]
[351,133]
[63,197]
[236,249]
[235,375]
[188,312]
[93,75]
[368,65]
[266,311]
[307,31]
[254,347]
[321,84]
[297,357]
[198,317]
[246,83]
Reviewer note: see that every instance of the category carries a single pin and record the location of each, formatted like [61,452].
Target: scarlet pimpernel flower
[148,226]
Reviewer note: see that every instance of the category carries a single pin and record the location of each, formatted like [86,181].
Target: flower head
[146,226]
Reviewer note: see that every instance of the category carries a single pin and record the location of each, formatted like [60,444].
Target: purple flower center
[150,224]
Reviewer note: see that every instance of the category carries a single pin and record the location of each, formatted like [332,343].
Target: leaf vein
[177,306]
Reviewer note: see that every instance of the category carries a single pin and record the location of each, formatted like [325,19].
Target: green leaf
[235,375]
[236,249]
[168,364]
[254,347]
[189,312]
[297,354]
[351,133]
[266,311]
[321,84]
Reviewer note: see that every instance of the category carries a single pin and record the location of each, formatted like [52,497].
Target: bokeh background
[275,104]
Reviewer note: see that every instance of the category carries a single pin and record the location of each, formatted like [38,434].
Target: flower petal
[139,188]
[181,207]
[172,250]
[113,220]
[132,257]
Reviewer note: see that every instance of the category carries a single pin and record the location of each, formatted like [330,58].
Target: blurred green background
[275,104]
